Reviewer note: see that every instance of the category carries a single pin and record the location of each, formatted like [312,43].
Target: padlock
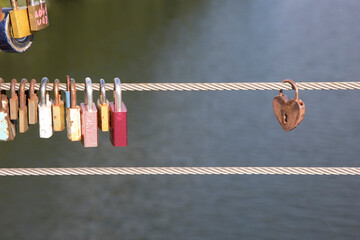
[89,122]
[7,129]
[23,111]
[103,109]
[118,118]
[38,16]
[7,41]
[14,101]
[45,116]
[33,102]
[19,20]
[73,121]
[289,113]
[58,109]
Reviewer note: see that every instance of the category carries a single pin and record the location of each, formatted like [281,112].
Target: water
[194,41]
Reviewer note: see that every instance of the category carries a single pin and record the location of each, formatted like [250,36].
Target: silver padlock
[45,114]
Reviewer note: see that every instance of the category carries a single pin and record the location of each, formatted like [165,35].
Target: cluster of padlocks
[17,24]
[82,122]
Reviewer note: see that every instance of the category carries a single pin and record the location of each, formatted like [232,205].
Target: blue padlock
[67,93]
[7,42]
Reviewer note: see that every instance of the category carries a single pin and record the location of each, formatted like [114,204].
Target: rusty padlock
[38,16]
[289,113]
[45,116]
[23,111]
[14,101]
[73,121]
[58,109]
[118,118]
[103,109]
[33,102]
[89,122]
[7,129]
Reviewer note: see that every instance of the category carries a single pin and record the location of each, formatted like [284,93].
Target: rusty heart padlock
[291,112]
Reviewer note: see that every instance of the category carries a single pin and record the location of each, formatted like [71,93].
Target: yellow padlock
[58,109]
[103,109]
[19,17]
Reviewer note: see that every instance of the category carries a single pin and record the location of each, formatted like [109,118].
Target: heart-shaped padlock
[289,113]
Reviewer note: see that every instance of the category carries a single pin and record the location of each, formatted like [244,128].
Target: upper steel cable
[236,86]
[180,171]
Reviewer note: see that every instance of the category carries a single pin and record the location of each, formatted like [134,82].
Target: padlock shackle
[1,106]
[117,94]
[73,93]
[56,91]
[22,93]
[102,91]
[88,94]
[67,83]
[32,88]
[43,92]
[293,86]
[14,4]
[30,2]
[12,88]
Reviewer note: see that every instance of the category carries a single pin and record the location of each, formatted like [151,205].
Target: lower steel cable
[179,171]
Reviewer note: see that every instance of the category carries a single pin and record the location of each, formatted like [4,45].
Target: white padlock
[45,114]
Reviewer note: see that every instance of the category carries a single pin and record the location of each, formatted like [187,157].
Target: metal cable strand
[180,171]
[206,86]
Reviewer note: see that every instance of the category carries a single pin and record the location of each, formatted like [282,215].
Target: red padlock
[89,121]
[118,118]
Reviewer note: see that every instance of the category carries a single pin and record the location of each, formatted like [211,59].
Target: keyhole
[285,118]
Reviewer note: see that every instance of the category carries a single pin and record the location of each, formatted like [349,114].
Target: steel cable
[179,171]
[236,86]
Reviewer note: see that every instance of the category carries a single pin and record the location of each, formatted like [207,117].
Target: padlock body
[89,126]
[118,126]
[38,16]
[20,22]
[23,120]
[73,123]
[7,129]
[14,108]
[289,113]
[59,116]
[33,109]
[103,116]
[45,120]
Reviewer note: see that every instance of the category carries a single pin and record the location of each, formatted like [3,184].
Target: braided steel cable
[180,171]
[236,86]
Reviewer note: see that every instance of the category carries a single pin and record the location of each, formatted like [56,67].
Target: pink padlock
[118,118]
[89,122]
